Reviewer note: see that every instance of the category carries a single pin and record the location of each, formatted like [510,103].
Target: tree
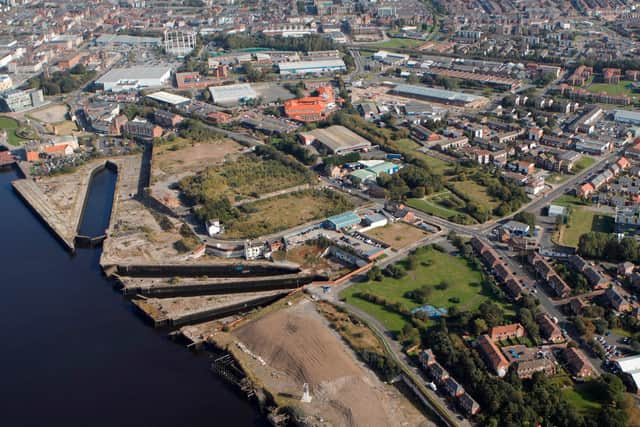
[480,326]
[375,274]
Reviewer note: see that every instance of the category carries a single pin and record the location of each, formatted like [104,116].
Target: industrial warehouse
[134,78]
[312,67]
[336,140]
[232,94]
[440,96]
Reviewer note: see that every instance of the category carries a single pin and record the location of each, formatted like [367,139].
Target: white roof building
[231,94]
[312,67]
[134,78]
[631,366]
[168,98]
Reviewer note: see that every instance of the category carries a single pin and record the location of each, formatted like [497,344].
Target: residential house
[626,268]
[502,333]
[470,406]
[549,329]
[578,363]
[527,368]
[492,355]
[595,278]
[438,373]
[453,387]
[618,298]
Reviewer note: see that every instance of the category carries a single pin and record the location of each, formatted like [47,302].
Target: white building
[252,251]
[214,227]
[630,366]
[5,82]
[232,94]
[312,67]
[623,116]
[134,78]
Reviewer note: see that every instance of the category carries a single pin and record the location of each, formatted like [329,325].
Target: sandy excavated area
[299,347]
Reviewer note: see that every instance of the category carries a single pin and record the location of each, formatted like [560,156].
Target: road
[547,304]
[438,404]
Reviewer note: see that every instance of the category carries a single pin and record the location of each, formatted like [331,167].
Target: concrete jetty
[40,203]
[185,287]
[187,310]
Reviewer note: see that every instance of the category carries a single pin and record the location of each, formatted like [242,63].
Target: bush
[394,270]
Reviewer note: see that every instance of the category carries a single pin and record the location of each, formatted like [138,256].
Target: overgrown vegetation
[62,81]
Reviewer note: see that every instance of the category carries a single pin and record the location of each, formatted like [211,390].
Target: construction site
[291,345]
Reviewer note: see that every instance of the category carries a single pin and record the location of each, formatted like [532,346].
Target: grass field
[398,43]
[397,235]
[433,268]
[433,208]
[249,176]
[10,125]
[475,192]
[584,398]
[282,212]
[581,221]
[569,200]
[583,163]
[622,88]
[436,165]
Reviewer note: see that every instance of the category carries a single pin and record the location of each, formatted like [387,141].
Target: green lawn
[433,208]
[583,163]
[584,397]
[622,88]
[569,200]
[10,125]
[581,221]
[436,165]
[434,267]
[398,43]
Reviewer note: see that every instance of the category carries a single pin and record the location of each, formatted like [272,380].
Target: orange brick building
[311,108]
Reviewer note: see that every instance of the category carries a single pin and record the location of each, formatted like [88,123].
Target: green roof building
[343,220]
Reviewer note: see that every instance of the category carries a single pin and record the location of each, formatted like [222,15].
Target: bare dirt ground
[174,161]
[298,347]
[135,235]
[183,156]
[397,235]
[55,113]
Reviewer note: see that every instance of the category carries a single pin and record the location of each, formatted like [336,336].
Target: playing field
[622,88]
[433,268]
[398,43]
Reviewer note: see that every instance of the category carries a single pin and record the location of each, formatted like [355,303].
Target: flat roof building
[630,367]
[312,67]
[624,116]
[169,98]
[232,94]
[107,39]
[134,78]
[343,220]
[439,95]
[337,140]
[21,100]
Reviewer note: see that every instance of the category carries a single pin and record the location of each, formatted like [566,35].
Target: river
[75,353]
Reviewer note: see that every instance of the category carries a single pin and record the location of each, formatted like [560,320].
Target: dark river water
[72,350]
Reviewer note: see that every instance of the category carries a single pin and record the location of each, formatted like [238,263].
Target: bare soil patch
[298,347]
